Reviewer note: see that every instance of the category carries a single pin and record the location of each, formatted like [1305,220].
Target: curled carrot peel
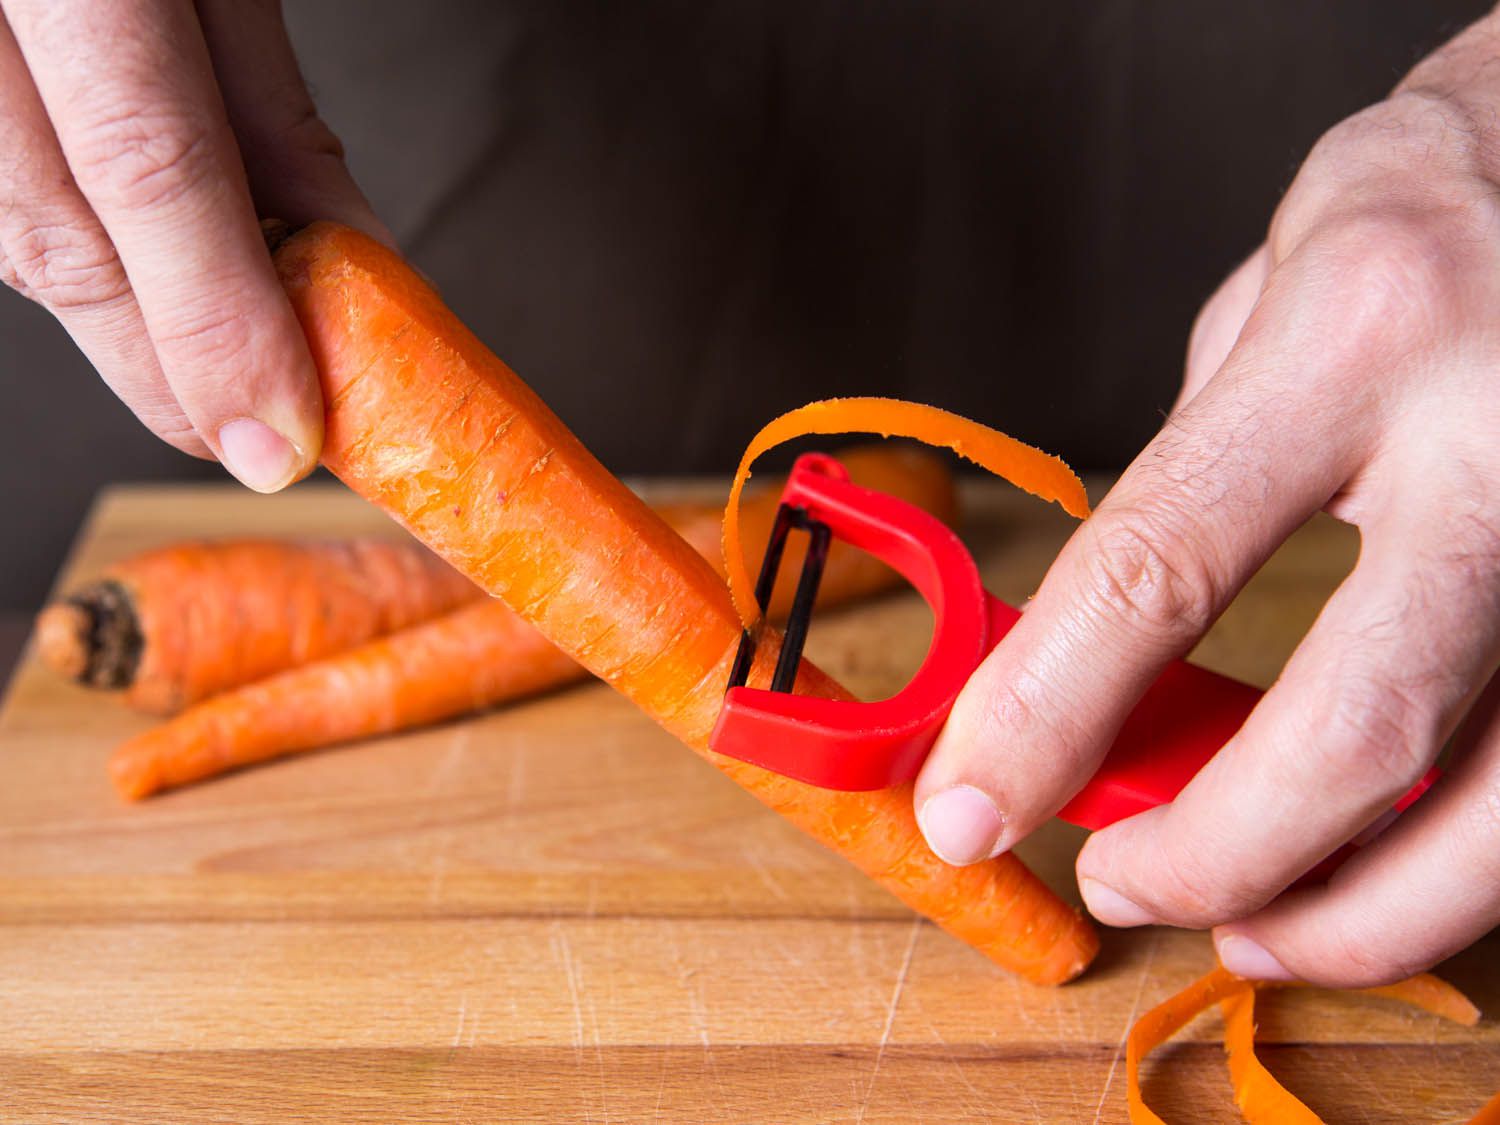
[1164,1021]
[1260,1097]
[1256,1091]
[1023,465]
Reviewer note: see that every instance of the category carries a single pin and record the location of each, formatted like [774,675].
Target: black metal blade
[790,657]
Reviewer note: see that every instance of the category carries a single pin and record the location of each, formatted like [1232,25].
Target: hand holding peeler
[1185,717]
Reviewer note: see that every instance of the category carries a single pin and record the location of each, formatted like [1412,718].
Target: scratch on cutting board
[890,1016]
[952,1062]
[515,782]
[763,873]
[661,1084]
[562,949]
[599,1059]
[458,749]
[1135,1006]
[688,979]
[463,1013]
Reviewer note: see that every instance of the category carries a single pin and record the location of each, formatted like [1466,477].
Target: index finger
[131,93]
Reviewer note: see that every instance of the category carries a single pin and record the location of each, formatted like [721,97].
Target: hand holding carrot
[137,138]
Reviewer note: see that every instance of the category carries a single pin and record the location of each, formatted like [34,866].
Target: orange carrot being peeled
[176,625]
[477,656]
[427,423]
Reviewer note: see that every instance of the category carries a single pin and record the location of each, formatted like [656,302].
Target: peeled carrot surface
[428,424]
[1261,1099]
[191,620]
[476,656]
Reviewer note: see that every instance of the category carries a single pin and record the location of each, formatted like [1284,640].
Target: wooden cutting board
[555,913]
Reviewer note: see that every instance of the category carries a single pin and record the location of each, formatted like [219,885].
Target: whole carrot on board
[430,425]
[476,656]
[473,657]
[176,625]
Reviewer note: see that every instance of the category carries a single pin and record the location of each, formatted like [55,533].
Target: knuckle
[64,266]
[1023,706]
[1190,890]
[206,343]
[1469,551]
[1365,962]
[143,161]
[1376,730]
[1357,195]
[1146,574]
[1393,270]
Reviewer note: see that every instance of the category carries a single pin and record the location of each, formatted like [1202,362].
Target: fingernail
[1245,958]
[1111,907]
[257,455]
[961,824]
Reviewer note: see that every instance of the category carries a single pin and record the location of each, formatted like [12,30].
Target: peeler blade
[788,518]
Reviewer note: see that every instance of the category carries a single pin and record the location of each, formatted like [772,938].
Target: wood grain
[555,914]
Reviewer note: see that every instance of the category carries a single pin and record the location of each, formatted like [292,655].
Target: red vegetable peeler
[1183,720]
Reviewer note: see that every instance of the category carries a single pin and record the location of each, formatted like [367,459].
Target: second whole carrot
[178,624]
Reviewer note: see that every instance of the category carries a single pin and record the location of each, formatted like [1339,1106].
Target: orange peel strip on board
[1260,1097]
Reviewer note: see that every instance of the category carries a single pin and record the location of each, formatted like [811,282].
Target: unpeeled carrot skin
[215,615]
[424,421]
[456,663]
[474,657]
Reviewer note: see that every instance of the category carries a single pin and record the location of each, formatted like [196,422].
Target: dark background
[676,219]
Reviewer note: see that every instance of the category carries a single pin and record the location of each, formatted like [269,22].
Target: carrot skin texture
[428,424]
[453,664]
[215,615]
[477,656]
